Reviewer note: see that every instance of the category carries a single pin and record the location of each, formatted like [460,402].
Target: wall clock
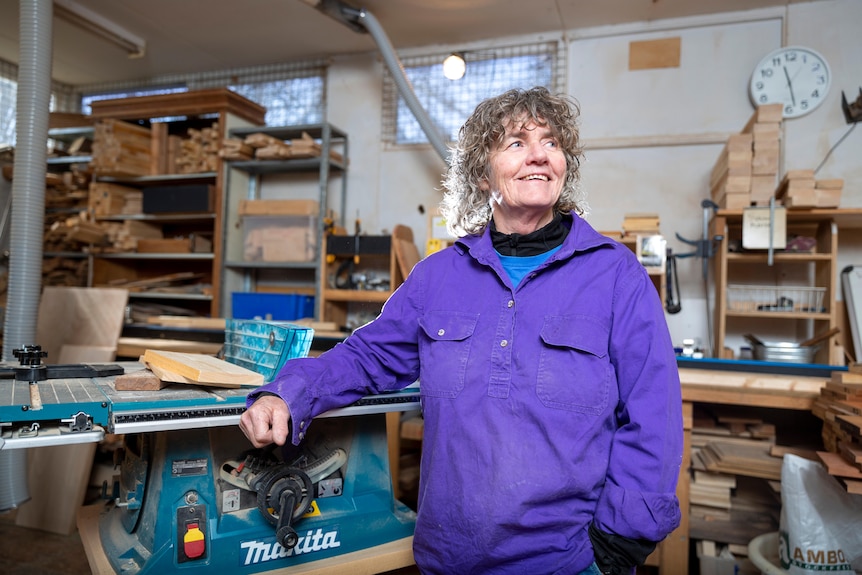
[795,76]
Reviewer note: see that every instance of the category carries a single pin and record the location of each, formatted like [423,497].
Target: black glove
[618,555]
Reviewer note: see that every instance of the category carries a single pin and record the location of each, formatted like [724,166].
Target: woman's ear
[484,185]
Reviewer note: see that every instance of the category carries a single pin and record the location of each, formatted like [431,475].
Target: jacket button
[511,303]
[504,343]
[441,331]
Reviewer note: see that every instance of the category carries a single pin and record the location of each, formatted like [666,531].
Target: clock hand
[790,86]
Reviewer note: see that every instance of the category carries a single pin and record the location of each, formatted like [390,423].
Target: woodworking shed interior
[210,162]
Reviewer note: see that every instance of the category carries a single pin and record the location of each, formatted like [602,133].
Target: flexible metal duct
[353,17]
[28,211]
[28,176]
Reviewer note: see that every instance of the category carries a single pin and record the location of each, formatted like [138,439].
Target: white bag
[821,524]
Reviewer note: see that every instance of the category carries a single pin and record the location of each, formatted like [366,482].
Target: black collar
[532,244]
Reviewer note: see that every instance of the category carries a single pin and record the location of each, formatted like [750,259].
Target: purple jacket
[547,406]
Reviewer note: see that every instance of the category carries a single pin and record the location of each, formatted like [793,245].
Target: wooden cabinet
[324,178]
[794,294]
[169,118]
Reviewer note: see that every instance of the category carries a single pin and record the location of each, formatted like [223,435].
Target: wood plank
[134,347]
[90,317]
[203,368]
[836,465]
[143,380]
[170,377]
[57,481]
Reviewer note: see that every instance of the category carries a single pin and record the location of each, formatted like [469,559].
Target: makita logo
[261,551]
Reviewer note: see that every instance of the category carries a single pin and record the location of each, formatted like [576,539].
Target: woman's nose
[538,153]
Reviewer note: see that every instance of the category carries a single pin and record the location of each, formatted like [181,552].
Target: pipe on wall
[28,212]
[359,19]
[28,176]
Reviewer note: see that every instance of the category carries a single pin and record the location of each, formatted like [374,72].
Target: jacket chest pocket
[444,348]
[574,368]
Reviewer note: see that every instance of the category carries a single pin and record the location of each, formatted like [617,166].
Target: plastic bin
[763,552]
[271,306]
[264,346]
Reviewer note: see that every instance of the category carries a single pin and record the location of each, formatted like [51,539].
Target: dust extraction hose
[28,212]
[352,17]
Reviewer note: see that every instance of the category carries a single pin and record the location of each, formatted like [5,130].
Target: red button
[194,543]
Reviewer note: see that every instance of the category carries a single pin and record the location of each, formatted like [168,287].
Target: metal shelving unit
[244,181]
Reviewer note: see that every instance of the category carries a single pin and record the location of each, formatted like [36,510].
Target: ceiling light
[454,66]
[85,18]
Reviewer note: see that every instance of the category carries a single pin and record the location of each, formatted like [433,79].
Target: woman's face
[528,169]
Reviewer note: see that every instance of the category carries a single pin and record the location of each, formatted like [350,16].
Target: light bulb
[454,66]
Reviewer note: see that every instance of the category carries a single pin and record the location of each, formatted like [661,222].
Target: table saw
[192,494]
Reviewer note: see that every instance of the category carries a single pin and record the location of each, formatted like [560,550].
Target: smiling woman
[542,353]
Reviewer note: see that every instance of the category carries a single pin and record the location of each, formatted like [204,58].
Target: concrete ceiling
[185,36]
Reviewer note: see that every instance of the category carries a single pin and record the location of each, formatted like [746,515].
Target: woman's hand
[265,421]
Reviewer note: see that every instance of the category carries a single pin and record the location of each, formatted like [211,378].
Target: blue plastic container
[272,306]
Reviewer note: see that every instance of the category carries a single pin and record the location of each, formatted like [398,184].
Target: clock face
[797,77]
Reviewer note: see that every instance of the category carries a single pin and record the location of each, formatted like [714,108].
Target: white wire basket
[753,298]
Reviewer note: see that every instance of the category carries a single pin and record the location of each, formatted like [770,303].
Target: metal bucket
[784,352]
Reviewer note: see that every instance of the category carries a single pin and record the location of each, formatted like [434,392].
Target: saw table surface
[177,406]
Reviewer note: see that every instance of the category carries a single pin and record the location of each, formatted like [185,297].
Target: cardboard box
[279,238]
[279,230]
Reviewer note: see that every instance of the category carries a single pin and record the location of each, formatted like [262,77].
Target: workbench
[727,387]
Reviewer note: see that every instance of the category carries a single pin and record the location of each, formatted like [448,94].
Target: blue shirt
[519,266]
[548,405]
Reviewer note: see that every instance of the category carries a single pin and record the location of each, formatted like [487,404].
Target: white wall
[651,136]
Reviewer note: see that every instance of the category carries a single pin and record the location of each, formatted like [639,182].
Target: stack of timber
[261,146]
[735,478]
[641,224]
[840,408]
[236,149]
[799,189]
[121,149]
[746,171]
[199,151]
[64,227]
[108,199]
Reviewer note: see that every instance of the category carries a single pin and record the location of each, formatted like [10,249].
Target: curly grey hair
[465,205]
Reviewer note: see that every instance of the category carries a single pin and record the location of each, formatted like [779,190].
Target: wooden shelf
[819,265]
[398,260]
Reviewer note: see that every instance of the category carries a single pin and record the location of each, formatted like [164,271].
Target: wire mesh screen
[292,93]
[450,102]
[62,99]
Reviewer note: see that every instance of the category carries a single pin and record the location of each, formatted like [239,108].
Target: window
[287,102]
[450,102]
[8,104]
[292,93]
[61,100]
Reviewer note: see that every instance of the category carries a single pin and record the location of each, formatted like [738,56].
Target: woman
[553,426]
